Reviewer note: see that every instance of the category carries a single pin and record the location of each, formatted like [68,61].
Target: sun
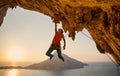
[15,55]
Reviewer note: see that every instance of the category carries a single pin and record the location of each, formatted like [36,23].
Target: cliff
[100,17]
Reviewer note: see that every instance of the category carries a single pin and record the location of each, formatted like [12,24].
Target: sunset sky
[25,36]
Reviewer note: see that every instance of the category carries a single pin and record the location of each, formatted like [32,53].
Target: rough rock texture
[100,17]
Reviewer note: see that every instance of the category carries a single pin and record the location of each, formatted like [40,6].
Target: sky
[25,36]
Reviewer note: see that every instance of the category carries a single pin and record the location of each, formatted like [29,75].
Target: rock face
[100,17]
[57,64]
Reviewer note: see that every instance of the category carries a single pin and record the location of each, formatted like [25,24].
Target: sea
[92,69]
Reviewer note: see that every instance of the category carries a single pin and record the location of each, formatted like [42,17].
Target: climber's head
[60,30]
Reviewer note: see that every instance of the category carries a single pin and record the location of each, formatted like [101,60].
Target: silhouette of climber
[56,40]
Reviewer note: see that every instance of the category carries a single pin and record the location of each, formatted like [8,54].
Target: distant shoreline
[24,67]
[11,67]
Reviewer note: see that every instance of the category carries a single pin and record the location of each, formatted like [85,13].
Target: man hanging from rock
[56,40]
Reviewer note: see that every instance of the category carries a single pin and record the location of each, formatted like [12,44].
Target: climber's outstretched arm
[55,27]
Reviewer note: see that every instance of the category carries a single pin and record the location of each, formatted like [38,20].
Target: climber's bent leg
[48,53]
[59,53]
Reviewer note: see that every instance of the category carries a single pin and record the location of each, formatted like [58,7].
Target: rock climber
[56,40]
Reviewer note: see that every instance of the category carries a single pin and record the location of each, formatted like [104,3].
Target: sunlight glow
[12,72]
[15,55]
